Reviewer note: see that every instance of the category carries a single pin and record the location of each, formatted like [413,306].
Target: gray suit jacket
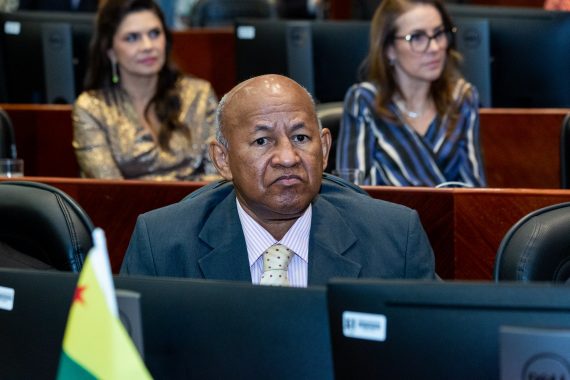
[352,235]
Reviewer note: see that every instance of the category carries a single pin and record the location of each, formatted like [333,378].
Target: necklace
[410,114]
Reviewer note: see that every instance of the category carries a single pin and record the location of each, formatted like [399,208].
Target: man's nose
[285,154]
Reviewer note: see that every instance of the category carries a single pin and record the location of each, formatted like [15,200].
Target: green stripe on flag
[69,369]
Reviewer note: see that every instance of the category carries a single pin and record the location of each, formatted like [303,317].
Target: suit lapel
[223,232]
[330,238]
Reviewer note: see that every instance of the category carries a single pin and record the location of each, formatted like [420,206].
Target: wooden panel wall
[521,147]
[208,54]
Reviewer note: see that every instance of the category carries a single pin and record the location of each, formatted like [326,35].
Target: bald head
[253,92]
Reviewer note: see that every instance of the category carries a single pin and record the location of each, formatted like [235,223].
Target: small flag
[96,344]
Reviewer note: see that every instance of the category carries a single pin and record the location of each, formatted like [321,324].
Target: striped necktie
[275,263]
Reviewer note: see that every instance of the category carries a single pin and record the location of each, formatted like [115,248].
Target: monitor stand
[57,43]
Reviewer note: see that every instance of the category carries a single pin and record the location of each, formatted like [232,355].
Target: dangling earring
[391,61]
[115,74]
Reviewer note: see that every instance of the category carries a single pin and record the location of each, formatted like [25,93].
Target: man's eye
[300,138]
[261,141]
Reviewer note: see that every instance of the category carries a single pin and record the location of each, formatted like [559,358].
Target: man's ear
[326,142]
[220,159]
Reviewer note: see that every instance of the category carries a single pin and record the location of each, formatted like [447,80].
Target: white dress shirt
[258,239]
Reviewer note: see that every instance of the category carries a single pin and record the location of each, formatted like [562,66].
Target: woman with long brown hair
[138,117]
[415,121]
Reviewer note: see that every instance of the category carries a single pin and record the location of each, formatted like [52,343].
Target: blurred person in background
[138,117]
[415,121]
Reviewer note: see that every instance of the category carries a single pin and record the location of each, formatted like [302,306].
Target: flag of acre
[96,344]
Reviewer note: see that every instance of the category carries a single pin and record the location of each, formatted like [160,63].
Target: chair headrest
[45,223]
[537,248]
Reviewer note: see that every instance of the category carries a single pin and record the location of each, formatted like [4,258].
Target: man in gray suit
[271,152]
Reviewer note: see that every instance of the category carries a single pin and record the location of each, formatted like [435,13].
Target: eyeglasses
[420,41]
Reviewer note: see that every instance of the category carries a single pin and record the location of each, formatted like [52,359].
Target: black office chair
[537,247]
[217,13]
[330,115]
[565,153]
[7,137]
[43,222]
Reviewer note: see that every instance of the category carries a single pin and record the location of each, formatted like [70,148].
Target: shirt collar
[258,239]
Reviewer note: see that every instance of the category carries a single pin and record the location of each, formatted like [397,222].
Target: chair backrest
[216,13]
[330,115]
[537,247]
[43,222]
[565,153]
[7,139]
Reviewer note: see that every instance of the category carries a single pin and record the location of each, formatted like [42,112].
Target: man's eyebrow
[261,128]
[298,126]
[265,127]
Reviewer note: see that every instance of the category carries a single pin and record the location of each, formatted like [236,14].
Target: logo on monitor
[546,366]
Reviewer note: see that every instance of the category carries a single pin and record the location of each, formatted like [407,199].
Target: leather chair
[44,223]
[537,247]
[565,153]
[330,115]
[7,139]
[219,13]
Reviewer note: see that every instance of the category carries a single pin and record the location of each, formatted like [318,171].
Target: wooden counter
[464,226]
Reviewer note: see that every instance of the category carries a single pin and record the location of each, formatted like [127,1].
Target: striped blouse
[395,154]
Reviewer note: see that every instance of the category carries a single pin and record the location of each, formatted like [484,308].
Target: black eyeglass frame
[449,34]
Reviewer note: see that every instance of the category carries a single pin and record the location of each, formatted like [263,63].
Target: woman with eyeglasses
[415,121]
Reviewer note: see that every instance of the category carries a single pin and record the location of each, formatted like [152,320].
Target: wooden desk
[465,226]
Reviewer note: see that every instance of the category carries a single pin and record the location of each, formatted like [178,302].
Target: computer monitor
[323,56]
[261,48]
[472,40]
[529,54]
[339,48]
[43,55]
[326,56]
[196,329]
[436,330]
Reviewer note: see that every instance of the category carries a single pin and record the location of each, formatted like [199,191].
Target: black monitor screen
[192,329]
[530,54]
[339,48]
[323,56]
[437,330]
[261,48]
[43,55]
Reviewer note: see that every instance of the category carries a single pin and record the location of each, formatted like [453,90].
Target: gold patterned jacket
[111,142]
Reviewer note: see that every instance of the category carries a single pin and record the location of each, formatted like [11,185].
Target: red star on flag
[78,296]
